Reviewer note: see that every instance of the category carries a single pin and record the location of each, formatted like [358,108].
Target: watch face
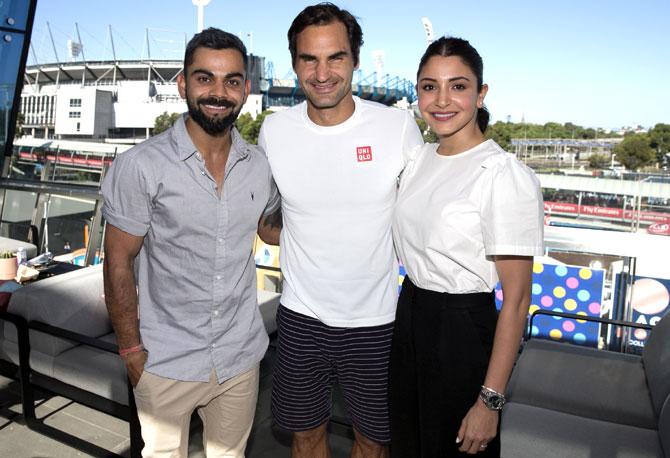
[492,400]
[496,401]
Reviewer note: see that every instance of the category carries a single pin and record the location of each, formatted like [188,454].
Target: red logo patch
[364,153]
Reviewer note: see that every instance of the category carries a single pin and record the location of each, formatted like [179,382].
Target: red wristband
[127,351]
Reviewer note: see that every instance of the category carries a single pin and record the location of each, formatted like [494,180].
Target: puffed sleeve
[512,210]
[127,196]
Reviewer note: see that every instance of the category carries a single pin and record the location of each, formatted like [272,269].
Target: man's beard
[213,126]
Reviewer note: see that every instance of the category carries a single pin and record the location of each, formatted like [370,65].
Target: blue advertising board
[562,288]
[569,289]
[650,302]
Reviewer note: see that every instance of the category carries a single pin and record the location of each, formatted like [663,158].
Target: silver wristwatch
[492,399]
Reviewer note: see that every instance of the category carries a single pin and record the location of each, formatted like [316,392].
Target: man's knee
[311,443]
[311,435]
[366,447]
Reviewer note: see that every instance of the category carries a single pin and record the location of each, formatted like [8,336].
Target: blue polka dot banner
[569,289]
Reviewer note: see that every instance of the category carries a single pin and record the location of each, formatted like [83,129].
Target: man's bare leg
[366,448]
[312,443]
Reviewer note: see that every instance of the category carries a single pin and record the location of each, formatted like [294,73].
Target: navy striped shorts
[312,357]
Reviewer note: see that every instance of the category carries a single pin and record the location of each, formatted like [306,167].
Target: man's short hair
[213,38]
[324,14]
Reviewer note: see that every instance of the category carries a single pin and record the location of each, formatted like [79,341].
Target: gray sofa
[570,401]
[74,302]
[7,244]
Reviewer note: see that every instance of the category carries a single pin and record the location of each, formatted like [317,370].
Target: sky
[594,63]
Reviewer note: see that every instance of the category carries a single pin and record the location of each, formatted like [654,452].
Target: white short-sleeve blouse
[455,212]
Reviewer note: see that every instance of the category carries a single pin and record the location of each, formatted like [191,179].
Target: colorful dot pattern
[561,288]
[569,289]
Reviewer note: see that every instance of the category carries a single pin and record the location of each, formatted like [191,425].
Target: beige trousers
[164,407]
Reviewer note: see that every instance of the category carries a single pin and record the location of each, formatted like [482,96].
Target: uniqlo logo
[364,153]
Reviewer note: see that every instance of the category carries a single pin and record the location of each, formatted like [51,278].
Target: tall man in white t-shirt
[336,160]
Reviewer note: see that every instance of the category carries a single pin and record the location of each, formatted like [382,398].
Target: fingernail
[458,440]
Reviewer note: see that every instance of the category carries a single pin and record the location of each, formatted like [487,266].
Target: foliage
[634,151]
[428,135]
[7,254]
[164,121]
[659,140]
[598,161]
[249,128]
[501,134]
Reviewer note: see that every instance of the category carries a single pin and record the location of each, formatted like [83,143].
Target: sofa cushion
[39,361]
[656,360]
[664,426]
[532,432]
[73,301]
[583,381]
[7,244]
[94,370]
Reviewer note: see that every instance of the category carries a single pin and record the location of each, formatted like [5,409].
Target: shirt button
[213,345]
[216,312]
[220,240]
[202,172]
[218,277]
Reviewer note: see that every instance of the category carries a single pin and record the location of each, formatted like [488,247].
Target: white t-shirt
[455,212]
[338,186]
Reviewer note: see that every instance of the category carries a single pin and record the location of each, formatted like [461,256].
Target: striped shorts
[312,357]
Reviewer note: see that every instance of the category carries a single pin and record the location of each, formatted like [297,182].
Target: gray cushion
[7,244]
[664,426]
[583,381]
[656,360]
[73,301]
[94,370]
[532,432]
[39,361]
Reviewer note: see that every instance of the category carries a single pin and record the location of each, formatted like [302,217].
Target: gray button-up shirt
[195,272]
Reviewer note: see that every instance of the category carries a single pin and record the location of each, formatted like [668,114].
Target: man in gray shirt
[182,210]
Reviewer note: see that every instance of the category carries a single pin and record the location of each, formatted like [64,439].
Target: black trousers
[440,352]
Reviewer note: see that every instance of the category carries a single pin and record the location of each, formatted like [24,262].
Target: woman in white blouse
[468,214]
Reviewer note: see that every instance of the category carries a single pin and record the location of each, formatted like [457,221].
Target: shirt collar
[186,148]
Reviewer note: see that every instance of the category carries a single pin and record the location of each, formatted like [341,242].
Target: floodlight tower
[378,59]
[201,4]
[428,28]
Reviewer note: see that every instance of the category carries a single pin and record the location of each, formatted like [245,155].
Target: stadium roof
[64,72]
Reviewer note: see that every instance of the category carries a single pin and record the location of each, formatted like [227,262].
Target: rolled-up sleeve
[512,212]
[127,199]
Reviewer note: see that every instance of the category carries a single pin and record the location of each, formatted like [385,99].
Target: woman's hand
[478,428]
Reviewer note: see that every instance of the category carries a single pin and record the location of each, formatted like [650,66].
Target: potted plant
[7,265]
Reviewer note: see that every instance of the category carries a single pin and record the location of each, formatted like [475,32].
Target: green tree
[634,151]
[250,128]
[428,135]
[659,140]
[502,133]
[242,121]
[164,121]
[598,161]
